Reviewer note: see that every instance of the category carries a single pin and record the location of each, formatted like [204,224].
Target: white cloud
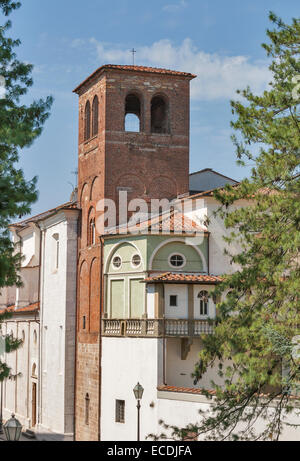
[218,76]
[174,7]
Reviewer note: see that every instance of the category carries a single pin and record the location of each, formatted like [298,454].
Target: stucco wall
[126,361]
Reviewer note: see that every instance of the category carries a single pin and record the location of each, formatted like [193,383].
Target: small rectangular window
[84,323]
[120,411]
[173,300]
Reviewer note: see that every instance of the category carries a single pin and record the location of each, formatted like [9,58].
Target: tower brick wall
[152,163]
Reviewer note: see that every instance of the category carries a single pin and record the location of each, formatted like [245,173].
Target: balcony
[156,328]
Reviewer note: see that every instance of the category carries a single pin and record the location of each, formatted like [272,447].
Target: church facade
[117,281]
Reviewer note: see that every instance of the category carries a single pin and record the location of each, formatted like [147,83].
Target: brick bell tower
[150,161]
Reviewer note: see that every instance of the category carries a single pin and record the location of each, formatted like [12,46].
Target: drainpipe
[76,322]
[100,335]
[164,340]
[41,298]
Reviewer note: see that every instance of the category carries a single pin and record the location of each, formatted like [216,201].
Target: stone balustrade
[154,328]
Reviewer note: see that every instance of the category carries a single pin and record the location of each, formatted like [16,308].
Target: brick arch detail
[84,304]
[95,188]
[133,181]
[94,290]
[163,187]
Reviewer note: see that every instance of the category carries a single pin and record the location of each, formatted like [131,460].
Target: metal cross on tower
[133,51]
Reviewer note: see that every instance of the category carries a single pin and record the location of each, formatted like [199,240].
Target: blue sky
[66,40]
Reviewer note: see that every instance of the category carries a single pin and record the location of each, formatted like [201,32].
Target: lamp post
[12,429]
[138,393]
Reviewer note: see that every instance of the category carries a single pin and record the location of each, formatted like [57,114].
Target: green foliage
[20,125]
[257,321]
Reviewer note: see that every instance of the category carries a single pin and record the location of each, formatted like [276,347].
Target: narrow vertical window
[87,121]
[92,236]
[95,116]
[203,297]
[56,251]
[57,254]
[120,411]
[84,322]
[87,409]
[159,115]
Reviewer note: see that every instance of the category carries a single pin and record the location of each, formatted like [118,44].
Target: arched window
[95,114]
[91,237]
[203,297]
[87,121]
[133,120]
[159,115]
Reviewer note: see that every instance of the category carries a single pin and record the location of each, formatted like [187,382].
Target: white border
[178,268]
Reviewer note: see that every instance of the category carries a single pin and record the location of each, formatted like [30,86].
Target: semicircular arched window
[133,121]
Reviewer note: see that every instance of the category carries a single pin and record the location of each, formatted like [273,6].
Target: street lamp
[138,393]
[12,429]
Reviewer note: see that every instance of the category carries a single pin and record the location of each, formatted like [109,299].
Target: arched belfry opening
[159,115]
[95,116]
[87,121]
[133,113]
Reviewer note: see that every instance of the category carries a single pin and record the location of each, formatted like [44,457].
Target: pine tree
[259,321]
[20,125]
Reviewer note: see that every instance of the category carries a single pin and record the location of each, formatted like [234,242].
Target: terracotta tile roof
[185,390]
[46,214]
[171,277]
[199,391]
[22,310]
[152,70]
[174,222]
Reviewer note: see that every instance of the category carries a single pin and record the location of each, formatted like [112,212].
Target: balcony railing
[156,328]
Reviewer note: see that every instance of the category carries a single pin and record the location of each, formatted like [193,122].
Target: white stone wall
[58,320]
[50,345]
[17,391]
[126,361]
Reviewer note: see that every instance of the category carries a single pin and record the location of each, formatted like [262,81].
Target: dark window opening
[92,233]
[87,121]
[84,323]
[173,301]
[159,115]
[95,112]
[132,113]
[87,409]
[120,411]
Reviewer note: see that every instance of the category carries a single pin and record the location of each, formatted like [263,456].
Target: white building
[41,391]
[155,312]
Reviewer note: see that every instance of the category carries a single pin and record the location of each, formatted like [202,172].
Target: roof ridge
[155,70]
